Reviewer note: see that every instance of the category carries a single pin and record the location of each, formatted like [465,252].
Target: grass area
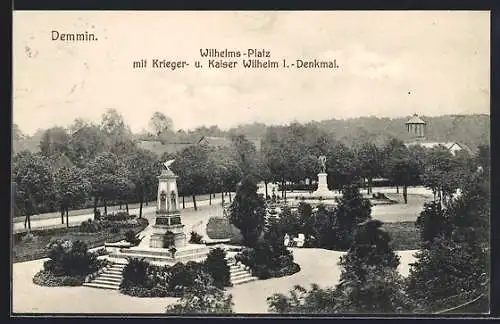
[25,249]
[404,235]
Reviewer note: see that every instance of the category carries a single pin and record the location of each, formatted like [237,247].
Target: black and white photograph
[281,163]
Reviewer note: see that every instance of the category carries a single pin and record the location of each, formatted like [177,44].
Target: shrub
[216,265]
[204,300]
[118,216]
[115,229]
[433,222]
[195,238]
[89,226]
[100,252]
[182,276]
[247,212]
[29,237]
[446,268]
[47,278]
[302,301]
[131,237]
[69,258]
[135,273]
[168,239]
[141,279]
[267,262]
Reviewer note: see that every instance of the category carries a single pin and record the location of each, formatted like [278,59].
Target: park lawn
[28,250]
[404,235]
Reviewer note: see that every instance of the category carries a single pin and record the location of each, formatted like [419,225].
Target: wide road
[55,222]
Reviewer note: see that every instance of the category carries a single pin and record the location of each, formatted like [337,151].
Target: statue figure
[168,163]
[322,163]
[163,200]
[173,200]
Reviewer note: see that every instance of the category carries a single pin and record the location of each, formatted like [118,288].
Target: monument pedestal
[167,232]
[158,237]
[323,190]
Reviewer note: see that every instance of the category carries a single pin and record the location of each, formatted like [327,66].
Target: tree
[246,156]
[324,221]
[106,175]
[446,268]
[142,168]
[247,212]
[159,123]
[440,173]
[306,219]
[369,281]
[32,174]
[369,161]
[289,221]
[54,141]
[191,165]
[118,137]
[400,167]
[352,209]
[17,133]
[71,189]
[433,222]
[458,262]
[341,166]
[85,143]
[483,157]
[216,265]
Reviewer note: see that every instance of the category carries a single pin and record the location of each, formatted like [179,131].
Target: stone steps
[243,280]
[101,286]
[239,275]
[110,278]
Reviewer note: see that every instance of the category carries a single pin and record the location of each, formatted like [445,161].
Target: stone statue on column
[322,163]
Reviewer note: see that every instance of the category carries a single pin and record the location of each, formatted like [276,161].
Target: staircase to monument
[110,278]
[239,275]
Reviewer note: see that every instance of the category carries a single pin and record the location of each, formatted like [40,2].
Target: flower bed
[142,279]
[265,262]
[70,264]
[48,279]
[32,246]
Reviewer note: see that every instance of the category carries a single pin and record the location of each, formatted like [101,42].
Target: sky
[392,64]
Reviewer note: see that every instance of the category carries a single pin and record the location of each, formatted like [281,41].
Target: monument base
[189,252]
[323,191]
[159,237]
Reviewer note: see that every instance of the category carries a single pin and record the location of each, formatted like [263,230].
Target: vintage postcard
[251,162]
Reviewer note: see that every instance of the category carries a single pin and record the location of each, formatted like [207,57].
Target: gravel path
[317,266]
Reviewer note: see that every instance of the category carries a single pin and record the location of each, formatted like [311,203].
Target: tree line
[97,164]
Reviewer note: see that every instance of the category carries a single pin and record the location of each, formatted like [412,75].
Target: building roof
[159,148]
[451,146]
[226,141]
[415,120]
[215,141]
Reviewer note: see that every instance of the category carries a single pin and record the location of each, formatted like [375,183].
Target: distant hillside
[471,130]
